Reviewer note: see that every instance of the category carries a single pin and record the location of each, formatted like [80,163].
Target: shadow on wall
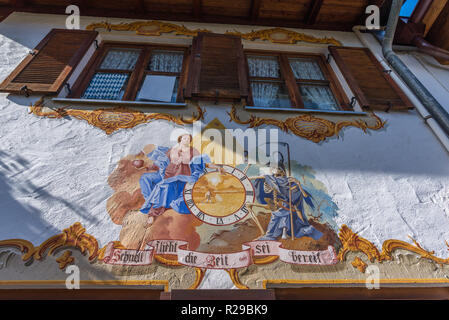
[28,219]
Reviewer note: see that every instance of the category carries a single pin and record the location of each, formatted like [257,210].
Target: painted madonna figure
[163,188]
[167,163]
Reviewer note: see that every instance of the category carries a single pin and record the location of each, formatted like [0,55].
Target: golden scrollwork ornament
[75,236]
[284,36]
[147,28]
[308,126]
[112,119]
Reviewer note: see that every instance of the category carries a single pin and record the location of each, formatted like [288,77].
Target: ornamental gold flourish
[352,242]
[359,264]
[75,236]
[139,28]
[113,119]
[289,37]
[308,126]
[233,274]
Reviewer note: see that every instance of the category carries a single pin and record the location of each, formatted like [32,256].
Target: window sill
[297,110]
[119,102]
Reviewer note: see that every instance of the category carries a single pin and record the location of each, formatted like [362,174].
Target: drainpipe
[436,111]
[422,111]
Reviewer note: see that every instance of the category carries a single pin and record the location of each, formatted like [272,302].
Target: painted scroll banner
[127,257]
[234,260]
[274,248]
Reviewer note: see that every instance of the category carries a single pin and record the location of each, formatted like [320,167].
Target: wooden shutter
[217,68]
[49,65]
[371,84]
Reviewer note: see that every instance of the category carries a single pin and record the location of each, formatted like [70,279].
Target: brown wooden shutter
[49,65]
[371,84]
[217,68]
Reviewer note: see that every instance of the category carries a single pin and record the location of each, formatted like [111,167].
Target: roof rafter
[255,8]
[197,8]
[314,11]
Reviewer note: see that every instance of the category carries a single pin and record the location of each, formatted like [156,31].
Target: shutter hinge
[328,60]
[390,105]
[216,96]
[26,91]
[32,52]
[96,44]
[352,103]
[67,85]
[388,71]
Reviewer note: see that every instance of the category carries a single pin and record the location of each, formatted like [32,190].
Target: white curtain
[262,66]
[318,97]
[264,94]
[307,69]
[270,94]
[119,59]
[166,61]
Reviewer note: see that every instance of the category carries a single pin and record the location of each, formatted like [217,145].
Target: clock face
[220,198]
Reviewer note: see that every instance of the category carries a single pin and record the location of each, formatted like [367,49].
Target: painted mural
[182,204]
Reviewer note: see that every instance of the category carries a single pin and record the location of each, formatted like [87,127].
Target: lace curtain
[270,94]
[118,59]
[263,67]
[166,61]
[318,97]
[267,94]
[306,69]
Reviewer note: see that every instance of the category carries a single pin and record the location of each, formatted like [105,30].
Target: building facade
[182,154]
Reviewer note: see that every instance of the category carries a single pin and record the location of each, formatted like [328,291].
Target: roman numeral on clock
[190,203]
[187,191]
[219,221]
[250,193]
[200,215]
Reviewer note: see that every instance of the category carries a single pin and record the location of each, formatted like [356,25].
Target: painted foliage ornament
[219,197]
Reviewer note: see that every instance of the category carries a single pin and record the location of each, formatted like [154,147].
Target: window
[134,73]
[280,80]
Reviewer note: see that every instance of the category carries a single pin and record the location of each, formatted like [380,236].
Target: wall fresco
[174,201]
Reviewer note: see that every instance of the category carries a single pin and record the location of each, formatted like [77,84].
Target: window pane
[318,97]
[106,86]
[304,68]
[159,88]
[270,94]
[120,59]
[166,61]
[263,66]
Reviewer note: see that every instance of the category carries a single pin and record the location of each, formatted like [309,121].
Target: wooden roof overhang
[339,15]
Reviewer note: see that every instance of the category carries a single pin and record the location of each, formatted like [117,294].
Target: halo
[177,133]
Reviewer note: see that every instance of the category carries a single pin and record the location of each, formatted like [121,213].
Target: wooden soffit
[310,14]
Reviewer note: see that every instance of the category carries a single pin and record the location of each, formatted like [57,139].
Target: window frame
[292,83]
[137,75]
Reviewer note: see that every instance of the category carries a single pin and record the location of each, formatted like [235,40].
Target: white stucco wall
[388,184]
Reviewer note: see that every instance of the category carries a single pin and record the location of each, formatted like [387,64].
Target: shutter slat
[218,69]
[372,86]
[55,58]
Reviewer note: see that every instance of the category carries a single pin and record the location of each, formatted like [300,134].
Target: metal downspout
[434,108]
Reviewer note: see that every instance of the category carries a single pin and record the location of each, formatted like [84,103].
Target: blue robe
[281,218]
[168,193]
